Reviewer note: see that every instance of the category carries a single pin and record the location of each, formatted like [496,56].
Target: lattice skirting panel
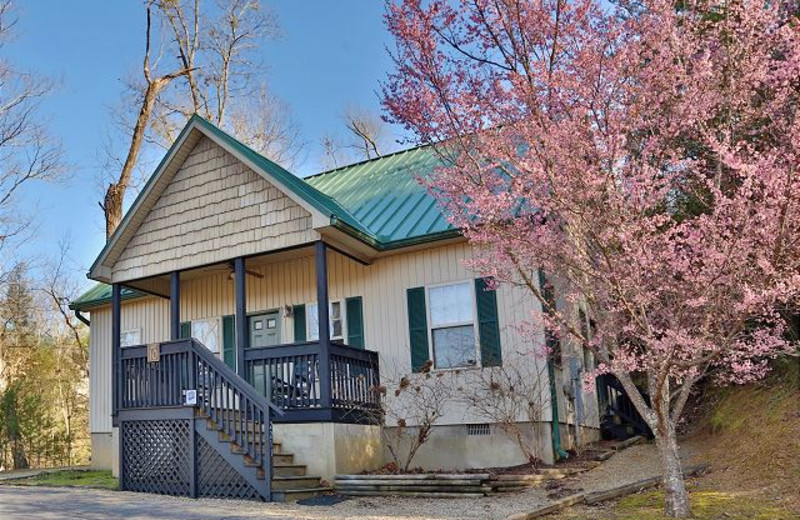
[155,456]
[217,479]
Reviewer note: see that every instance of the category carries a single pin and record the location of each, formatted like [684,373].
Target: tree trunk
[675,494]
[112,206]
[115,193]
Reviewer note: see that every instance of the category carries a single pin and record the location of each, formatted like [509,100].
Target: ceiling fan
[232,270]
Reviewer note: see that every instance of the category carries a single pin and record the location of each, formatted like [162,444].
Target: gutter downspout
[558,451]
[82,318]
[549,296]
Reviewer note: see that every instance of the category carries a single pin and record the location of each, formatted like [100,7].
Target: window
[207,332]
[335,318]
[452,325]
[130,338]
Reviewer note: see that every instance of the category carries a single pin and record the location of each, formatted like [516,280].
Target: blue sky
[331,55]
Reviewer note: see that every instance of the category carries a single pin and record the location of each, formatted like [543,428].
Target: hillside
[750,435]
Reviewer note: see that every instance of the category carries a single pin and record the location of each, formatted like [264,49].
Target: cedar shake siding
[214,209]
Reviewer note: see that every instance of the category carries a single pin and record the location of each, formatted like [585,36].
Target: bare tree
[218,50]
[71,346]
[367,130]
[264,123]
[366,137]
[153,86]
[28,152]
[331,152]
[215,51]
[232,38]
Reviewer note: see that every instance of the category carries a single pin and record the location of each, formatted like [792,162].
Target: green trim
[299,318]
[558,451]
[186,329]
[321,202]
[355,321]
[418,328]
[395,214]
[378,201]
[229,340]
[149,184]
[554,347]
[488,324]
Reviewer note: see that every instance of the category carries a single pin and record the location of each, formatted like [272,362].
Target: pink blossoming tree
[644,154]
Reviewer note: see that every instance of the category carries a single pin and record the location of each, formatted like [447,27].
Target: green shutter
[355,322]
[299,313]
[418,328]
[488,324]
[186,329]
[229,341]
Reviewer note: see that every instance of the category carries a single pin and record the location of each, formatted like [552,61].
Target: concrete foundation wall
[450,448]
[328,449]
[105,451]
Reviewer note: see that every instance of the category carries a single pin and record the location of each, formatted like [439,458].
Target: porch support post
[116,342]
[321,258]
[242,336]
[175,305]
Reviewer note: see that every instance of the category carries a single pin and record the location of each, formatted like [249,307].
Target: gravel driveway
[39,503]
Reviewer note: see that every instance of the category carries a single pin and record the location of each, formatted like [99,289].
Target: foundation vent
[478,429]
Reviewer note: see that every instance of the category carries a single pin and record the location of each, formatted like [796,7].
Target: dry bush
[514,397]
[410,407]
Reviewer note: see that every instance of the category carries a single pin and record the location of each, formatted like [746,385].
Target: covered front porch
[311,378]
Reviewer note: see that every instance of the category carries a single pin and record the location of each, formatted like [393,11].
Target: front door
[265,330]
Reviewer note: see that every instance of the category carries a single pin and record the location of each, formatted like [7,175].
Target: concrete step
[298,482]
[224,437]
[278,459]
[283,458]
[293,495]
[289,470]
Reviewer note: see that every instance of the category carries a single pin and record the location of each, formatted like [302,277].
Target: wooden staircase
[290,481]
[619,418]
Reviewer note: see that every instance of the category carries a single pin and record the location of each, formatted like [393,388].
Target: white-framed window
[452,325]
[130,338]
[208,332]
[335,318]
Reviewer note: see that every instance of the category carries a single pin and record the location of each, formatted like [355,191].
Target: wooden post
[116,372]
[242,334]
[324,325]
[116,346]
[175,306]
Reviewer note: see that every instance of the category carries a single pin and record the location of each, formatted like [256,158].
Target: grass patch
[71,478]
[706,505]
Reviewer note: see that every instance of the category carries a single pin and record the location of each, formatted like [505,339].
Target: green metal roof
[321,201]
[100,294]
[385,197]
[380,201]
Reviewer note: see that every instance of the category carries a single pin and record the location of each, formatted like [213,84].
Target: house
[238,304]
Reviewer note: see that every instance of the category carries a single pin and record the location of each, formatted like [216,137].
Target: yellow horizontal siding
[383,288]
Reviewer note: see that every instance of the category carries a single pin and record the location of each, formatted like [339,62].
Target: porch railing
[286,378]
[221,395]
[289,376]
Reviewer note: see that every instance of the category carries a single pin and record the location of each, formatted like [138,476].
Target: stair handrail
[233,378]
